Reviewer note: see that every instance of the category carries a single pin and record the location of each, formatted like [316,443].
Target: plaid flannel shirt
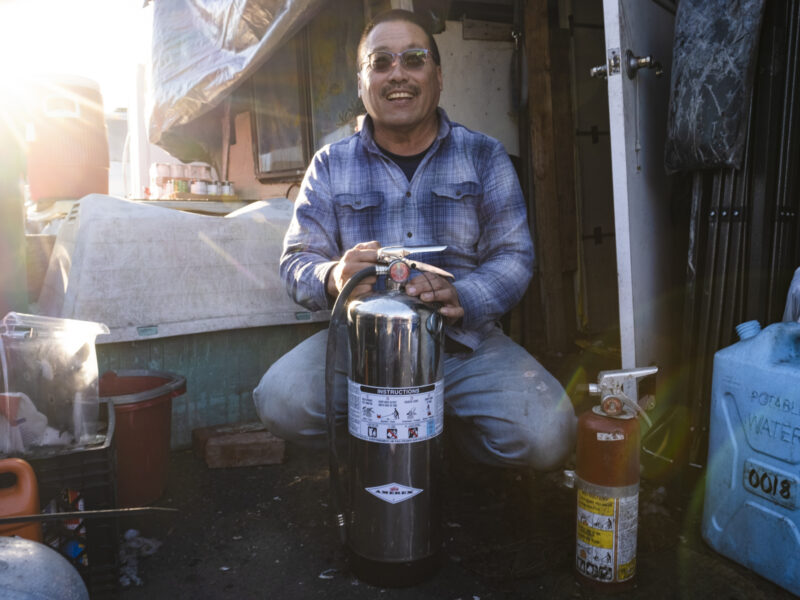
[465,194]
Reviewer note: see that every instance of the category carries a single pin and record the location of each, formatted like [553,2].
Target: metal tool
[86,514]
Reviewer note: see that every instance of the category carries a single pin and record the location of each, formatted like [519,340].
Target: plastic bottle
[19,497]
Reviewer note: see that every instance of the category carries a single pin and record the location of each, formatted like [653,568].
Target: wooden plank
[564,148]
[472,29]
[244,450]
[237,445]
[564,153]
[543,141]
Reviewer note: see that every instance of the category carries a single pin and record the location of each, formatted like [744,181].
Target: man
[412,177]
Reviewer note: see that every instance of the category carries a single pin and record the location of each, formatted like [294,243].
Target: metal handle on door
[599,72]
[610,68]
[634,63]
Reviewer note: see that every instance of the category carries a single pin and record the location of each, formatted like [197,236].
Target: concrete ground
[266,532]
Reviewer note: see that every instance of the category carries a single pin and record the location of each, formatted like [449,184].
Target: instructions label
[394,415]
[606,536]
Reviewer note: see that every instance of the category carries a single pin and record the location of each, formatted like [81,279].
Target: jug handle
[23,471]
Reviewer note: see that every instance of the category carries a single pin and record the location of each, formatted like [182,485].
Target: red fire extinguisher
[607,481]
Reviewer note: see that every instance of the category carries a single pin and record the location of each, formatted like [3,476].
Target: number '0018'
[769,484]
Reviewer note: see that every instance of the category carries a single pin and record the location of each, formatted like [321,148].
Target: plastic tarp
[713,67]
[150,272]
[203,49]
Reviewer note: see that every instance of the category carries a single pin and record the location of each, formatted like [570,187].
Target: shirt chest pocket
[455,213]
[359,217]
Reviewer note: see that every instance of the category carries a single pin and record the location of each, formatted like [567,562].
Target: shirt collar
[367,138]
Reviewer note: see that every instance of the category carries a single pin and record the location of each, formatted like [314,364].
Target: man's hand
[432,288]
[358,257]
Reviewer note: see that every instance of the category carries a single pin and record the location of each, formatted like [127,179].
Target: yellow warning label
[595,504]
[595,537]
[627,570]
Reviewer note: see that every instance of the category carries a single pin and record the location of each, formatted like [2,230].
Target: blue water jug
[753,472]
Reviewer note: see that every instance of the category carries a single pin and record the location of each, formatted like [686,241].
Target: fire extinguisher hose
[337,316]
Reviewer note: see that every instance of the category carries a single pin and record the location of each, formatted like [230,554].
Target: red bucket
[143,412]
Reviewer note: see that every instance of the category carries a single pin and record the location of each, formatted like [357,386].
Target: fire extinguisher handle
[611,386]
[614,381]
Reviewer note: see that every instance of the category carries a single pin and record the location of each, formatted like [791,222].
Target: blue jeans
[502,408]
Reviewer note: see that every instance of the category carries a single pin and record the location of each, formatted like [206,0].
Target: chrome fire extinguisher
[607,481]
[389,519]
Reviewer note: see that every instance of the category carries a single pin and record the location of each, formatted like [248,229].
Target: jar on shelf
[177,171]
[199,187]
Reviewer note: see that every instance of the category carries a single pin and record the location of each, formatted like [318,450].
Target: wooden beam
[564,147]
[13,278]
[548,224]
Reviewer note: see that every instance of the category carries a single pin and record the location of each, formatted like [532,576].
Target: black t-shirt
[408,164]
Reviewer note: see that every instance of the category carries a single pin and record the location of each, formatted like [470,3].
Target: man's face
[399,99]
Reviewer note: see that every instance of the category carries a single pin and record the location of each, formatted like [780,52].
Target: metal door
[637,100]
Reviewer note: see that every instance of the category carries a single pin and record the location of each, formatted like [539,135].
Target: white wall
[477,84]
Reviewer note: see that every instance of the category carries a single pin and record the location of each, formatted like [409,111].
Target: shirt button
[409,234]
[458,193]
[357,202]
[408,194]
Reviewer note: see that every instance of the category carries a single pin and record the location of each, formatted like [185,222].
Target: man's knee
[543,446]
[290,397]
[279,404]
[550,447]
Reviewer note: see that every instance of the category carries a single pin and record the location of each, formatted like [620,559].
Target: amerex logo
[393,492]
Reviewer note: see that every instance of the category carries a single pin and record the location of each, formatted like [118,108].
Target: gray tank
[32,571]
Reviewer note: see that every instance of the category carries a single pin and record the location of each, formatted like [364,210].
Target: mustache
[389,88]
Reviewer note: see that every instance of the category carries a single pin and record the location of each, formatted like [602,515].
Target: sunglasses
[383,60]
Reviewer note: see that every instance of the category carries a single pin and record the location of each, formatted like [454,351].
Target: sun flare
[100,40]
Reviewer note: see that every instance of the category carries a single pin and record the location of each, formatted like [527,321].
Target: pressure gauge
[399,271]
